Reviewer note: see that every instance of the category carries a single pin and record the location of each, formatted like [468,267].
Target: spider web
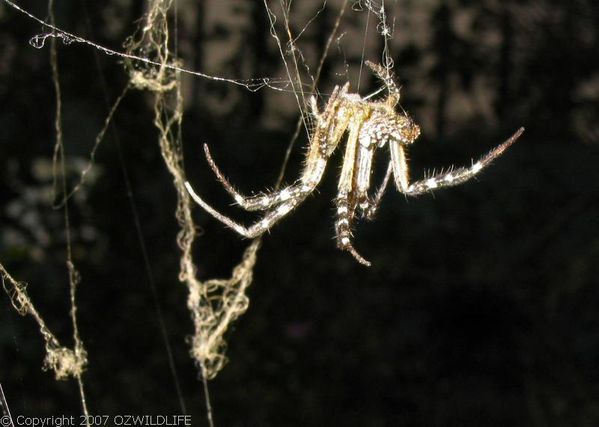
[153,64]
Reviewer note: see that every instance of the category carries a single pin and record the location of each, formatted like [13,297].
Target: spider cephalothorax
[370,125]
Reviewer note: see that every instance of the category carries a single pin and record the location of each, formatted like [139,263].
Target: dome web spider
[370,125]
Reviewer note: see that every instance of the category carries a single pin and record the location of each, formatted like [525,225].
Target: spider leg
[363,173]
[260,201]
[364,161]
[399,166]
[346,204]
[450,178]
[280,203]
[314,107]
[326,137]
[324,141]
[345,214]
[387,78]
[259,227]
[376,201]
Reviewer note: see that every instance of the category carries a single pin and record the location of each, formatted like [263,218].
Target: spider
[370,125]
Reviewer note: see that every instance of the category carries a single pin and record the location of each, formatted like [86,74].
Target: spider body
[370,126]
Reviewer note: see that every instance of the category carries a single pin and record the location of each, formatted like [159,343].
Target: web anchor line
[38,41]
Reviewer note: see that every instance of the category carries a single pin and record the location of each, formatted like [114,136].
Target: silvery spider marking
[370,125]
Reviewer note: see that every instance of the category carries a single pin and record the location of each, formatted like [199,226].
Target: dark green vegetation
[480,308]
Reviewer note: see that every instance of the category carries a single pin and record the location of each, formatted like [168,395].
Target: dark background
[480,308]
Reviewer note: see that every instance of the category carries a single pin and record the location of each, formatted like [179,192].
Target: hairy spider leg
[326,138]
[260,201]
[364,161]
[255,230]
[346,201]
[370,212]
[387,78]
[327,135]
[404,132]
[451,178]
[375,133]
[399,164]
[271,217]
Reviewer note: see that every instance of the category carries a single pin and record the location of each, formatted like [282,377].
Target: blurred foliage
[480,306]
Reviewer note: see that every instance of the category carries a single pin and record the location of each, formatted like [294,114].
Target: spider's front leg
[260,201]
[280,203]
[450,178]
[255,230]
[331,126]
[328,133]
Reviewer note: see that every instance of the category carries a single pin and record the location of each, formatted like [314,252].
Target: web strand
[39,41]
